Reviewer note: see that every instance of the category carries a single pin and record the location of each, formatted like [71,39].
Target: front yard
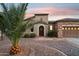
[42,46]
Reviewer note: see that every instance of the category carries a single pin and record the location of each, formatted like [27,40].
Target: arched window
[32,29]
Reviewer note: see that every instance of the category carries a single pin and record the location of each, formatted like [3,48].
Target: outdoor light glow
[50,27]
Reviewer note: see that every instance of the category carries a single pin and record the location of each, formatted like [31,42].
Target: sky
[57,5]
[56,11]
[54,8]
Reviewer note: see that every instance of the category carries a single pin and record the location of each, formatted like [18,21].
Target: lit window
[62,28]
[72,28]
[78,28]
[50,27]
[75,28]
[68,28]
[65,28]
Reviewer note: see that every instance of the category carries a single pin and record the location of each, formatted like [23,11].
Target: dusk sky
[54,8]
[56,11]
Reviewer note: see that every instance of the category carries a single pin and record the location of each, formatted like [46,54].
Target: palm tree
[14,24]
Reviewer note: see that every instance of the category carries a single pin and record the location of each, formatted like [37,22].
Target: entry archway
[41,31]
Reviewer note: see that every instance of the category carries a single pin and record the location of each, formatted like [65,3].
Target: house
[67,27]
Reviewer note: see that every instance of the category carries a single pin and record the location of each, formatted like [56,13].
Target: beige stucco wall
[29,29]
[37,18]
[43,17]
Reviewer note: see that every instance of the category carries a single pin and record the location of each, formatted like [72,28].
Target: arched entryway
[41,31]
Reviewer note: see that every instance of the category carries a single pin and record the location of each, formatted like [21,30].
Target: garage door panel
[70,33]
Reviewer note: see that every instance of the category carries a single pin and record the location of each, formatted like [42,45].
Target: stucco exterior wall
[40,17]
[36,29]
[37,18]
[43,18]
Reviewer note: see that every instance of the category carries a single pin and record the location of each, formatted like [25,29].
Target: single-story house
[67,27]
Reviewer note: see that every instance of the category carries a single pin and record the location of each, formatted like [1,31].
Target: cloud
[51,10]
[54,11]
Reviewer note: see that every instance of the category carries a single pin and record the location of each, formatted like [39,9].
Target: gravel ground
[42,46]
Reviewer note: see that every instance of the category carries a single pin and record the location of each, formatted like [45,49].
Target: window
[72,28]
[65,28]
[75,28]
[69,28]
[32,29]
[78,28]
[62,28]
[50,27]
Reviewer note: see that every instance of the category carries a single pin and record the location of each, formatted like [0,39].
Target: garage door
[70,31]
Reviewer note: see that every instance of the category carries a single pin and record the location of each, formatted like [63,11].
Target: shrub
[52,33]
[26,35]
[32,35]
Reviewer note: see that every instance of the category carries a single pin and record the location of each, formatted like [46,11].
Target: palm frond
[14,21]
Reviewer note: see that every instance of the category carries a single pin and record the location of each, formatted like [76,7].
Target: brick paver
[57,43]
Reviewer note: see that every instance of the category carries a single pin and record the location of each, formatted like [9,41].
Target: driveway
[61,44]
[64,45]
[75,41]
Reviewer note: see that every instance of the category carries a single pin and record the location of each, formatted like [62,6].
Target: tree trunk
[15,49]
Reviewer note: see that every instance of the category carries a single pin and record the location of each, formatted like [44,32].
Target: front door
[41,31]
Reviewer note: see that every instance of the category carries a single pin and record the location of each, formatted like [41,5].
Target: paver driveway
[59,43]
